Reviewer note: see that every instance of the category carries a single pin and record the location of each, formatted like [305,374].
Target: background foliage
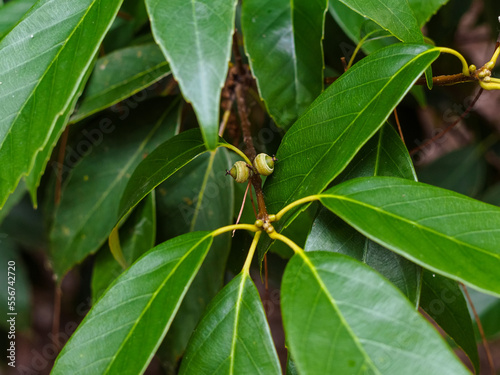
[110,116]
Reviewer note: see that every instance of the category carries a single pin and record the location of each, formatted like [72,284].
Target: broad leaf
[424,10]
[11,13]
[167,159]
[12,201]
[195,36]
[40,72]
[327,299]
[137,236]
[122,331]
[443,300]
[283,40]
[463,171]
[436,228]
[233,337]
[121,74]
[396,16]
[91,196]
[200,197]
[384,155]
[335,127]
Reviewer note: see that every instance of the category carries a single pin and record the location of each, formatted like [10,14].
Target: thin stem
[223,123]
[296,248]
[242,206]
[358,47]
[237,150]
[480,328]
[447,80]
[298,202]
[399,125]
[465,66]
[229,228]
[251,252]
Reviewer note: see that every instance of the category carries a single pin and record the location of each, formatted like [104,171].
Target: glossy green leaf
[122,331]
[40,72]
[137,236]
[233,337]
[436,228]
[396,16]
[43,156]
[12,201]
[443,300]
[463,171]
[121,74]
[167,159]
[11,13]
[384,155]
[283,40]
[196,36]
[327,300]
[90,199]
[335,127]
[200,197]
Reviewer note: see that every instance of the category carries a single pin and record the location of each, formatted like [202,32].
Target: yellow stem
[494,58]
[223,124]
[361,42]
[251,252]
[237,150]
[310,198]
[229,228]
[492,84]
[465,67]
[289,242]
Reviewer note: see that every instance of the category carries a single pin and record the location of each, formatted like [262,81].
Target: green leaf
[233,337]
[121,74]
[122,331]
[196,36]
[463,171]
[12,201]
[335,127]
[283,40]
[326,301]
[167,159]
[436,228]
[11,13]
[137,236]
[488,308]
[90,199]
[443,300]
[396,16]
[384,155]
[200,197]
[40,72]
[424,10]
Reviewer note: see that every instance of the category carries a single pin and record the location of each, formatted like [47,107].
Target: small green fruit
[264,164]
[240,172]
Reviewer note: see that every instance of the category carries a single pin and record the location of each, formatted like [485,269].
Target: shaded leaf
[137,236]
[122,331]
[200,197]
[90,199]
[443,300]
[283,40]
[233,337]
[335,127]
[436,228]
[384,155]
[321,287]
[195,36]
[12,201]
[41,70]
[121,74]
[463,171]
[488,308]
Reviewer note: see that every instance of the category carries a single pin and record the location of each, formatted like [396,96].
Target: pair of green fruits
[263,164]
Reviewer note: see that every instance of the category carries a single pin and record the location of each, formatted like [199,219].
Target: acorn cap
[263,164]
[240,172]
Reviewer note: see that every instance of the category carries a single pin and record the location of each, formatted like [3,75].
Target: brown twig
[60,164]
[240,90]
[399,125]
[437,136]
[447,80]
[480,328]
